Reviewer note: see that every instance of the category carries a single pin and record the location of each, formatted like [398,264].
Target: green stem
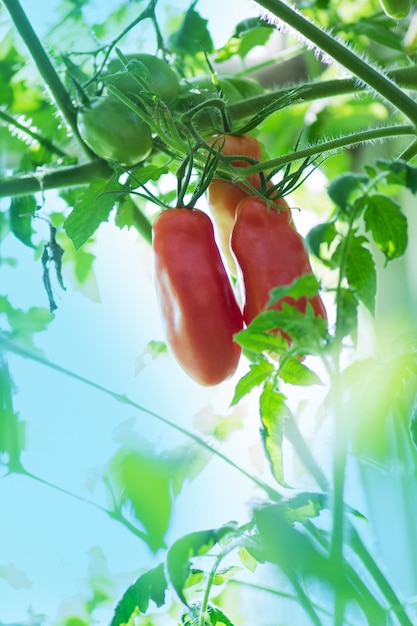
[204,603]
[340,52]
[332,146]
[305,92]
[32,133]
[370,606]
[74,176]
[410,152]
[303,451]
[113,514]
[10,346]
[338,504]
[45,67]
[395,604]
[281,594]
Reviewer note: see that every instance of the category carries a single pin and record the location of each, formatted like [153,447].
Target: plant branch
[361,68]
[9,345]
[114,514]
[46,69]
[333,145]
[74,176]
[405,77]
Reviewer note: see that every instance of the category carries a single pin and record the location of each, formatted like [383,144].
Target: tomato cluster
[112,129]
[256,239]
[197,302]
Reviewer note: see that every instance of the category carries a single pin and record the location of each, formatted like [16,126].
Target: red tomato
[199,311]
[224,196]
[270,253]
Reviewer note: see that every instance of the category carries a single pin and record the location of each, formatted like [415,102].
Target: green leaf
[193,36]
[296,373]
[273,411]
[186,463]
[149,586]
[388,225]
[225,574]
[400,173]
[259,341]
[25,323]
[322,234]
[248,34]
[342,188]
[139,475]
[308,332]
[22,210]
[217,617]
[91,209]
[413,425]
[258,373]
[304,506]
[178,560]
[247,559]
[12,430]
[347,314]
[304,286]
[359,269]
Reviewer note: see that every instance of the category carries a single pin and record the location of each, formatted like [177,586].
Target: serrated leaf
[347,314]
[296,373]
[225,574]
[25,323]
[273,411]
[91,209]
[388,225]
[149,586]
[287,546]
[379,32]
[307,331]
[360,272]
[180,553]
[400,172]
[304,286]
[258,373]
[247,559]
[304,506]
[193,36]
[322,234]
[21,213]
[342,188]
[140,474]
[217,617]
[259,342]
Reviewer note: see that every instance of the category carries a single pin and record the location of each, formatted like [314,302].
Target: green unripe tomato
[397,9]
[154,71]
[114,132]
[247,87]
[204,85]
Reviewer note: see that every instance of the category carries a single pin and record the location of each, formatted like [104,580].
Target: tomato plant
[212,455]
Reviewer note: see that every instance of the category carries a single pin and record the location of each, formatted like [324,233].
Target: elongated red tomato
[270,253]
[224,196]
[199,311]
